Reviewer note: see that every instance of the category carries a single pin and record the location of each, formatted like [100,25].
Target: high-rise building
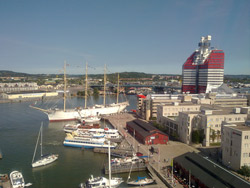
[205,67]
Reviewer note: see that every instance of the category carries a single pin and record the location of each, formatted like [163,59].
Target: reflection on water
[19,126]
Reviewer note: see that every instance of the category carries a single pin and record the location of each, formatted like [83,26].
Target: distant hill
[6,73]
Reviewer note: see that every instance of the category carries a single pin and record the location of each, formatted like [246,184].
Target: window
[246,137]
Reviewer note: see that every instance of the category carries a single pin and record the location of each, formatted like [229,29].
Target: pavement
[160,161]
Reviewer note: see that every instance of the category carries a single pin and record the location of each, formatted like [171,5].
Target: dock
[5,181]
[115,152]
[116,169]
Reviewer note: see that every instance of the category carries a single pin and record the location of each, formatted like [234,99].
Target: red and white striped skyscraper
[204,68]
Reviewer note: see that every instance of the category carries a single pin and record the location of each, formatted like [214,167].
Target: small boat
[45,159]
[91,119]
[17,180]
[102,182]
[141,181]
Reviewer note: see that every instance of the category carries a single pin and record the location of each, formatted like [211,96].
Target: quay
[5,181]
[160,162]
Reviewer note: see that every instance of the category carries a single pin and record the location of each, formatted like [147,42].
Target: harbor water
[19,127]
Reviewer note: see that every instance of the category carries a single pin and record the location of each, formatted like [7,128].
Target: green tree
[195,136]
[96,92]
[213,135]
[245,171]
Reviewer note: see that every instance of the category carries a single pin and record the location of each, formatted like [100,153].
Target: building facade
[235,146]
[204,67]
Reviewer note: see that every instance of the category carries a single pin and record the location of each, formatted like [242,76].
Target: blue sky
[152,36]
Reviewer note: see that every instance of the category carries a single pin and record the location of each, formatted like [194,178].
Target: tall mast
[104,92]
[118,89]
[42,139]
[109,165]
[64,101]
[86,85]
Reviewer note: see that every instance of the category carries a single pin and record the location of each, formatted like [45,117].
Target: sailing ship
[17,180]
[102,182]
[45,159]
[81,113]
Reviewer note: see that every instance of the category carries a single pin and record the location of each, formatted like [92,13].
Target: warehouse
[146,133]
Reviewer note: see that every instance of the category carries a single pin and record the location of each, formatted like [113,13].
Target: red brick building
[146,133]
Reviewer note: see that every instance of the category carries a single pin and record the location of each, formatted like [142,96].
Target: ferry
[86,142]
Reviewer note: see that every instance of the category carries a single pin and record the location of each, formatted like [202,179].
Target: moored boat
[17,180]
[141,181]
[102,182]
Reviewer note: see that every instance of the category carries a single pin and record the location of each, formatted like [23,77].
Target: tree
[96,92]
[213,135]
[195,136]
[245,171]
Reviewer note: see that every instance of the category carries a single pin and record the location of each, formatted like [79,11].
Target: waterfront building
[235,145]
[27,95]
[18,87]
[146,133]
[205,67]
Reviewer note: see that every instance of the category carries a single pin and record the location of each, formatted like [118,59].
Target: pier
[116,169]
[115,152]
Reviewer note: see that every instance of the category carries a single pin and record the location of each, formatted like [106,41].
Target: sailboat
[81,113]
[45,159]
[102,182]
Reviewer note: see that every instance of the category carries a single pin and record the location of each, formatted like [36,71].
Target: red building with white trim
[204,67]
[146,133]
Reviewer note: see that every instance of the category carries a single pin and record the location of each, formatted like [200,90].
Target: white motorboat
[17,180]
[141,181]
[91,119]
[44,159]
[102,182]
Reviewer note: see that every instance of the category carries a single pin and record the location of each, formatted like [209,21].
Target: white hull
[17,180]
[84,142]
[102,182]
[141,182]
[73,114]
[45,160]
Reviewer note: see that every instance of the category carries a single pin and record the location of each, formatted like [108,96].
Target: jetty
[115,152]
[116,169]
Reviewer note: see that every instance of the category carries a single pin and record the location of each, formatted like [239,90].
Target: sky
[151,36]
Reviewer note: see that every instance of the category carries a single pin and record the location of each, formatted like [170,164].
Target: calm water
[19,126]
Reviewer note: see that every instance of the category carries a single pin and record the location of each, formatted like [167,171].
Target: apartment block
[235,145]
